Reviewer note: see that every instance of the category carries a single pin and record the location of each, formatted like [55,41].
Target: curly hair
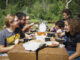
[74,26]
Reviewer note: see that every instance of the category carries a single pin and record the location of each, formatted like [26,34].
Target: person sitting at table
[72,44]
[28,24]
[23,21]
[59,30]
[59,25]
[66,14]
[8,36]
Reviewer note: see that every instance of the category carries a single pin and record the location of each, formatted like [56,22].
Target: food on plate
[52,43]
[41,33]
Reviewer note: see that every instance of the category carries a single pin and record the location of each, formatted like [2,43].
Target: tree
[7,3]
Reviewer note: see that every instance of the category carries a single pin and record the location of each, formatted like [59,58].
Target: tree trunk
[7,3]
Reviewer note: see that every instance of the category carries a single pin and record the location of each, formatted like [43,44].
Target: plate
[52,44]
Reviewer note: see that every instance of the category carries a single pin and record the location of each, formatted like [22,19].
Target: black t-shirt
[19,30]
[72,41]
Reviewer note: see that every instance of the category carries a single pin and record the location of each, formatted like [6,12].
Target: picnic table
[47,53]
[4,58]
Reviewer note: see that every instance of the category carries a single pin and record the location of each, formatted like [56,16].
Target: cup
[47,39]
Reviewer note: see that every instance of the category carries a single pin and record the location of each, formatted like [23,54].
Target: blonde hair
[9,19]
[4,26]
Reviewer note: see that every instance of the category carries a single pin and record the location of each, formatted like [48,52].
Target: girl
[73,38]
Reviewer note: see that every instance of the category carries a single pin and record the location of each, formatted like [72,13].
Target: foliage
[38,9]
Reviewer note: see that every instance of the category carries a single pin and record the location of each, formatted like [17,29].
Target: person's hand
[31,24]
[11,47]
[32,36]
[70,58]
[26,36]
[16,41]
[36,25]
[52,39]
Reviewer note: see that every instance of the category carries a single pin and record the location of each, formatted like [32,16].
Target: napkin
[32,45]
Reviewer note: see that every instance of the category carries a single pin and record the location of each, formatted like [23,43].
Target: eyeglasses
[27,19]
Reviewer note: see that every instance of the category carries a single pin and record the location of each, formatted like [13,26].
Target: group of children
[67,28]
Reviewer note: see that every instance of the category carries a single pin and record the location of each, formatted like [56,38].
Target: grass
[34,20]
[50,25]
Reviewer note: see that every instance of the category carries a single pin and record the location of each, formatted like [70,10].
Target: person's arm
[5,49]
[27,27]
[51,29]
[77,53]
[2,43]
[62,34]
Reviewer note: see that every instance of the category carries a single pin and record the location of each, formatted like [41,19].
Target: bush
[38,9]
[48,11]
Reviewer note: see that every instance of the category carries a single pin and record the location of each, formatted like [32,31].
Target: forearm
[6,49]
[26,27]
[76,54]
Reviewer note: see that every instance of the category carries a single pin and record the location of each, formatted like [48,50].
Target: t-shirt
[72,41]
[54,29]
[7,38]
[19,30]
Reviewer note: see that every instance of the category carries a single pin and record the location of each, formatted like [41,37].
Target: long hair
[74,26]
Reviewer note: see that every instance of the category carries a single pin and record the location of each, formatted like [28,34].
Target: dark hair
[67,11]
[20,15]
[60,24]
[74,26]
